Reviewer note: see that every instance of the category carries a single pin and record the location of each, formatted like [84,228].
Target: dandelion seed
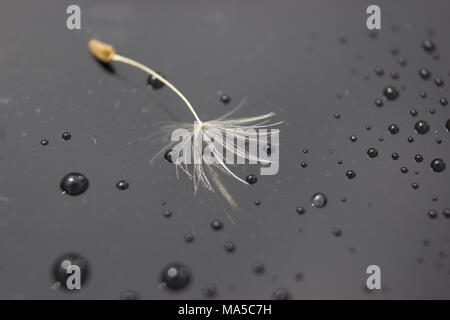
[209,133]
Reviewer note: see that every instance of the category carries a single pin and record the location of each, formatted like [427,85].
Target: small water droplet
[122,185]
[336,232]
[319,200]
[395,156]
[428,46]
[258,268]
[432,213]
[175,276]
[44,142]
[66,136]
[372,152]
[229,246]
[168,156]
[350,174]
[410,139]
[422,127]
[446,212]
[443,101]
[129,295]
[353,138]
[424,73]
[391,93]
[281,294]
[438,81]
[378,102]
[393,128]
[379,71]
[415,185]
[216,225]
[303,164]
[413,112]
[167,213]
[74,183]
[251,179]
[300,210]
[188,237]
[418,158]
[404,170]
[209,290]
[154,82]
[225,99]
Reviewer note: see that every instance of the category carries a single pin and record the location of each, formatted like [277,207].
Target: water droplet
[353,138]
[443,101]
[379,71]
[393,128]
[65,261]
[422,127]
[305,150]
[209,290]
[395,156]
[415,185]
[66,136]
[188,237]
[281,294]
[129,295]
[251,179]
[390,92]
[410,139]
[225,99]
[257,203]
[154,82]
[438,81]
[229,247]
[402,61]
[413,112]
[424,73]
[122,185]
[432,213]
[418,158]
[74,183]
[44,142]
[404,170]
[423,94]
[428,46]
[372,152]
[168,156]
[258,268]
[336,115]
[447,125]
[350,174]
[394,75]
[340,162]
[319,200]
[167,213]
[303,164]
[438,165]
[300,210]
[446,212]
[216,225]
[378,102]
[175,276]
[438,140]
[336,232]
[268,149]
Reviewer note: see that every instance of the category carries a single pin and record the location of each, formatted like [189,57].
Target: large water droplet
[74,183]
[438,165]
[319,200]
[175,276]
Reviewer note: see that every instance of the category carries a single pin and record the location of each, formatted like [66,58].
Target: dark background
[305,60]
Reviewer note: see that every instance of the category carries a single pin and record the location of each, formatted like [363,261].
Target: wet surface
[314,63]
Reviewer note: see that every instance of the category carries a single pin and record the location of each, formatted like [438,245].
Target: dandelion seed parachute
[201,174]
